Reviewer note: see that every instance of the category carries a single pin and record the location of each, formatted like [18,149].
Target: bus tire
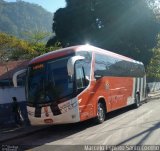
[137,101]
[101,113]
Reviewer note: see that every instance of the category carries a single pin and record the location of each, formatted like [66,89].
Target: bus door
[84,92]
[138,86]
[142,89]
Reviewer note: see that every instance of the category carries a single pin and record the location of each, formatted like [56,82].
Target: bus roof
[53,54]
[70,50]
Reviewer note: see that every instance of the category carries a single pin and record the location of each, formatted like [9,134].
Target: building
[7,70]
[7,90]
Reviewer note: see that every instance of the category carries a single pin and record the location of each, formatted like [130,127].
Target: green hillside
[16,18]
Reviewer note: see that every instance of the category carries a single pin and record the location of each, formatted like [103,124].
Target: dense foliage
[12,48]
[153,69]
[16,18]
[127,27]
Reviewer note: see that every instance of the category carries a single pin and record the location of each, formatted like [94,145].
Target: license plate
[48,121]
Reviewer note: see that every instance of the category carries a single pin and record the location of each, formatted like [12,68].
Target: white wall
[6,94]
[154,86]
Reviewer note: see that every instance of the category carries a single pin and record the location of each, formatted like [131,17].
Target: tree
[36,41]
[153,69]
[128,27]
[13,49]
[36,37]
[75,23]
[40,48]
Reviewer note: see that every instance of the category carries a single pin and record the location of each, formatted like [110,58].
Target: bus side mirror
[15,75]
[70,64]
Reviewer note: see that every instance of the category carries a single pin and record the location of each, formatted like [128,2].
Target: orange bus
[81,82]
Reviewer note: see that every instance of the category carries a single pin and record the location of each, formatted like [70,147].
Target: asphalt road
[127,126]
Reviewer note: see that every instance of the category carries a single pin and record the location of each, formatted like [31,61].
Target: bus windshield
[48,82]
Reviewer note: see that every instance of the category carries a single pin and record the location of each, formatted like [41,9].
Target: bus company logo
[46,111]
[107,85]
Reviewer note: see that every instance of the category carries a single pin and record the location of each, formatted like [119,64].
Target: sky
[49,5]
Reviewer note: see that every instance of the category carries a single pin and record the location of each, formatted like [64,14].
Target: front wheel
[101,113]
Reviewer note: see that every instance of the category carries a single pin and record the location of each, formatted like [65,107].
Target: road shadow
[58,132]
[146,134]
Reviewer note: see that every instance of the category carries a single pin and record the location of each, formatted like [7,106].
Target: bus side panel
[116,91]
[121,92]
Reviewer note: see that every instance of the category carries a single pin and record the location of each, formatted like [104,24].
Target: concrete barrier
[154,86]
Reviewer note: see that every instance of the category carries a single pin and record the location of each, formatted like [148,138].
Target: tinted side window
[105,65]
[109,66]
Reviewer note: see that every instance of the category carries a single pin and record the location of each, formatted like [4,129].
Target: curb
[155,92]
[155,96]
[22,132]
